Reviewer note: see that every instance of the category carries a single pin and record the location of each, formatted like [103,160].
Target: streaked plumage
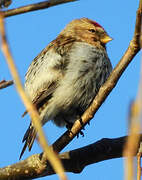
[65,77]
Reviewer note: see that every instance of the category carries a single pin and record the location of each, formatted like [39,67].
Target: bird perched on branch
[65,77]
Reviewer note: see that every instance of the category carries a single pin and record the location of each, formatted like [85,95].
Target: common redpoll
[65,77]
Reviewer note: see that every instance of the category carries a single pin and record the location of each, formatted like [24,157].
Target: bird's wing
[46,70]
[43,96]
[43,77]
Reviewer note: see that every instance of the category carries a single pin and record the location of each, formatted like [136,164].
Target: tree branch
[34,7]
[4,84]
[73,161]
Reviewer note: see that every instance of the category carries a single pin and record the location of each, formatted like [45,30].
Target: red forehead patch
[96,24]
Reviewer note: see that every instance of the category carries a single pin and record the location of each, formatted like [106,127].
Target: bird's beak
[106,39]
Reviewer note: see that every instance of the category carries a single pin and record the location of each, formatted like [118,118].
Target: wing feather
[43,77]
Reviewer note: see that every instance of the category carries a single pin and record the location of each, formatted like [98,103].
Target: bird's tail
[28,138]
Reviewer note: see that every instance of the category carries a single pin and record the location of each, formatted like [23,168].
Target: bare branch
[74,161]
[34,7]
[4,84]
[139,154]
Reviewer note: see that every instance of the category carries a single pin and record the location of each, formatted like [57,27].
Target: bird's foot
[69,126]
[81,132]
[88,123]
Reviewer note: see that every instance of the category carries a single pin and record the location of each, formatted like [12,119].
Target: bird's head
[86,30]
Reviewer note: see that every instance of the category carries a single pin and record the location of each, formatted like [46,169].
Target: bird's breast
[87,70]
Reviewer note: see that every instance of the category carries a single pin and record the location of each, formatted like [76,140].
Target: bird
[65,77]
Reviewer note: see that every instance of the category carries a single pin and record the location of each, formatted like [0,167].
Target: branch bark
[4,84]
[73,161]
[34,7]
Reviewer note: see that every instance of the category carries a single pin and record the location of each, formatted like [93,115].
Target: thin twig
[139,166]
[132,144]
[34,7]
[4,84]
[49,154]
[139,154]
[139,102]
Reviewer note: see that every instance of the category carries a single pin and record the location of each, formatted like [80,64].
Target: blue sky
[28,34]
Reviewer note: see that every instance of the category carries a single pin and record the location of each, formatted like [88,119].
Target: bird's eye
[92,30]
